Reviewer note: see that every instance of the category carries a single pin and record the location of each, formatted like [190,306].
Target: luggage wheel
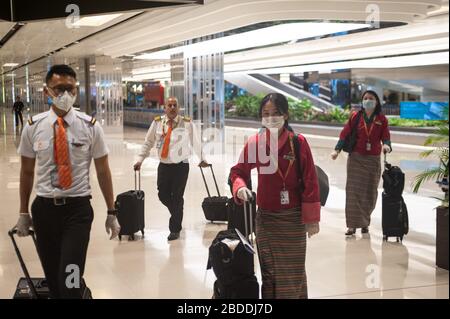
[131,238]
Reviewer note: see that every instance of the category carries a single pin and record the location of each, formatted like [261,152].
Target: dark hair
[280,102]
[60,69]
[378,107]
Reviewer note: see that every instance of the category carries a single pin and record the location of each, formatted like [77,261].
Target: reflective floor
[361,267]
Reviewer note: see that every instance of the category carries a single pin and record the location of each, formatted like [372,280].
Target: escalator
[262,83]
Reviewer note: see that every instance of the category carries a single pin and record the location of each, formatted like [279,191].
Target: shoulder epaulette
[87,118]
[187,119]
[158,118]
[34,119]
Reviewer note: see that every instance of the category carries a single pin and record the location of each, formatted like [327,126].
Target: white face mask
[369,105]
[273,122]
[64,102]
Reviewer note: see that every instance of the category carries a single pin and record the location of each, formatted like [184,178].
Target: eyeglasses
[172,105]
[59,90]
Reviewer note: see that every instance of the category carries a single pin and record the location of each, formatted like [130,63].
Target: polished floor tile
[360,267]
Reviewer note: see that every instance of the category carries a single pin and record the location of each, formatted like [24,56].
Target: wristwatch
[112,212]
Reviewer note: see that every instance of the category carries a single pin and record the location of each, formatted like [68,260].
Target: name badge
[368,147]
[284,196]
[289,157]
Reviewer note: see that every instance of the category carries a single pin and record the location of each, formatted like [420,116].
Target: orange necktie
[62,156]
[165,150]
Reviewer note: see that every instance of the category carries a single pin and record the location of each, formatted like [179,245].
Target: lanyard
[291,163]
[367,130]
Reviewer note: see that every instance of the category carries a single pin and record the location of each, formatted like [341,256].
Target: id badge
[368,147]
[284,196]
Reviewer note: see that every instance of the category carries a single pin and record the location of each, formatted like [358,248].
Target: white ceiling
[165,26]
[37,39]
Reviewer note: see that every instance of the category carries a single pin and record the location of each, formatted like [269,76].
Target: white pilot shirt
[184,138]
[86,141]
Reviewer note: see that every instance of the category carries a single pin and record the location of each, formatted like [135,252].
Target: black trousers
[62,235]
[18,116]
[172,180]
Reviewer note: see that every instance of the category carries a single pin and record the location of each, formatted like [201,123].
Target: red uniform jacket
[380,134]
[303,192]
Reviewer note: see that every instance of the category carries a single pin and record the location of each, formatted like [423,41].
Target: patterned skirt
[363,177]
[281,241]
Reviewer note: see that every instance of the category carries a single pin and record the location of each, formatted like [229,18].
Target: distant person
[364,163]
[18,111]
[173,170]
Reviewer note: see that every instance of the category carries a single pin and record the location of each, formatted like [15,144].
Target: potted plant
[440,142]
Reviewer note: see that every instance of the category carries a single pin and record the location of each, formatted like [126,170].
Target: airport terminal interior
[219,58]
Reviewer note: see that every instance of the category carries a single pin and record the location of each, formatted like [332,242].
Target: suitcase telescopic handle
[215,180]
[30,283]
[137,178]
[246,221]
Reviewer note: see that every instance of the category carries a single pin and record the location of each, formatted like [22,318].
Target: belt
[62,201]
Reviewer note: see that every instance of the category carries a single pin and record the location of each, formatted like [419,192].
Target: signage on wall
[424,110]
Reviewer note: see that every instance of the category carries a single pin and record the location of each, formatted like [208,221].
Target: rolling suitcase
[215,208]
[35,288]
[131,210]
[395,220]
[234,268]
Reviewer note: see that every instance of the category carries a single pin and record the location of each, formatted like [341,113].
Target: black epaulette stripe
[30,121]
[93,121]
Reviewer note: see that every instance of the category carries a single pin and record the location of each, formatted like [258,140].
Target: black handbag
[350,140]
[324,185]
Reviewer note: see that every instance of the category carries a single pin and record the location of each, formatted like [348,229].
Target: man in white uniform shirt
[63,142]
[174,136]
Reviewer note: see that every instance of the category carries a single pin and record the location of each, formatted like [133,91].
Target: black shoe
[173,236]
[350,232]
[365,230]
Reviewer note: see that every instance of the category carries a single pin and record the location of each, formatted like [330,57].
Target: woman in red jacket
[288,199]
[364,163]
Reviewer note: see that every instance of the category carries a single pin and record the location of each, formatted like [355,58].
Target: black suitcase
[395,217]
[395,220]
[131,210]
[215,208]
[234,269]
[35,288]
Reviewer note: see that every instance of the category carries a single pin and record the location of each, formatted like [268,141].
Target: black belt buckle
[59,201]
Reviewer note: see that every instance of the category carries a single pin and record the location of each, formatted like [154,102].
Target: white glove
[112,226]
[23,225]
[386,149]
[312,229]
[334,155]
[244,194]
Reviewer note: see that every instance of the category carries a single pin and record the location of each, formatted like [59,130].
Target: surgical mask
[273,122]
[369,105]
[63,102]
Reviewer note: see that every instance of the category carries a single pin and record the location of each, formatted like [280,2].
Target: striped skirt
[281,241]
[363,177]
